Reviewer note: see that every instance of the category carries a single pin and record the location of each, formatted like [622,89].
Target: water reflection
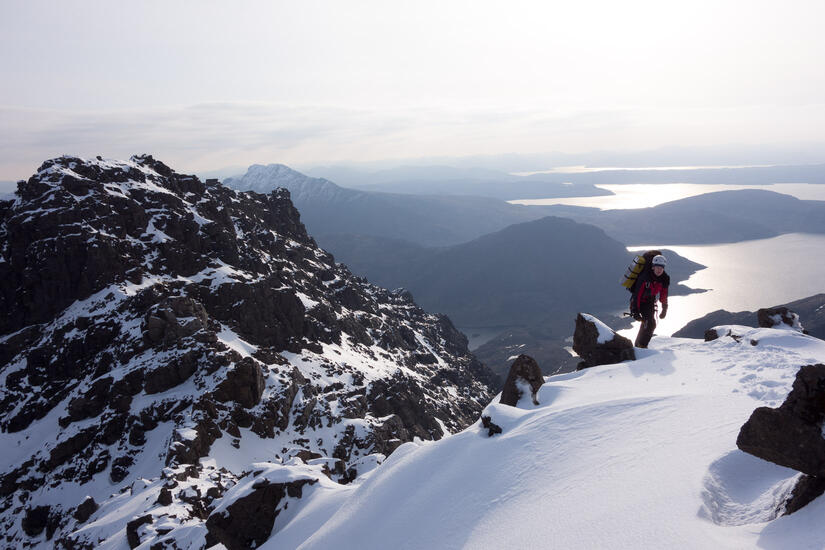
[645,195]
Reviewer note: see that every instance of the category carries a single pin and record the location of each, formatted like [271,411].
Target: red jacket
[650,287]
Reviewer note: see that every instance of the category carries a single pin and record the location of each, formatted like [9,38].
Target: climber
[651,286]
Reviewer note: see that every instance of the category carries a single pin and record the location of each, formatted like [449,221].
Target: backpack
[640,264]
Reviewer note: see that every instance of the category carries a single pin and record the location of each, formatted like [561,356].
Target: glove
[638,316]
[663,314]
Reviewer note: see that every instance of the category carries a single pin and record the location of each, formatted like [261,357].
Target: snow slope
[635,455]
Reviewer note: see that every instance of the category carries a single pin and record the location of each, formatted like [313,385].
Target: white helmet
[659,260]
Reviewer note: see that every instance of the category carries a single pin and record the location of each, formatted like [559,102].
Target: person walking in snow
[652,285]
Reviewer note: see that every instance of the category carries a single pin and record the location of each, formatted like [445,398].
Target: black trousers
[648,312]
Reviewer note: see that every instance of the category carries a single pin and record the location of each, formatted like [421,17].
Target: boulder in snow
[524,374]
[777,435]
[734,331]
[791,435]
[85,510]
[777,317]
[492,427]
[247,522]
[711,334]
[133,529]
[598,344]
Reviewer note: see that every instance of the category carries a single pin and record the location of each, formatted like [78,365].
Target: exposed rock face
[791,435]
[596,344]
[804,492]
[778,316]
[248,521]
[523,372]
[132,530]
[85,510]
[147,316]
[244,384]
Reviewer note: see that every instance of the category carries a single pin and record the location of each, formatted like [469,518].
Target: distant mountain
[444,180]
[265,179]
[429,220]
[221,173]
[520,275]
[532,278]
[724,216]
[418,178]
[811,311]
[353,177]
[162,337]
[750,175]
[521,188]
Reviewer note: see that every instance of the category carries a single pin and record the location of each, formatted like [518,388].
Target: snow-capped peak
[265,178]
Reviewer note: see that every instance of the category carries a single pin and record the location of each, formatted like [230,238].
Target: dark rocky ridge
[429,220]
[142,306]
[722,216]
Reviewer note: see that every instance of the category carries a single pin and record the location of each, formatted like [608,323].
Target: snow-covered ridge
[640,454]
[160,335]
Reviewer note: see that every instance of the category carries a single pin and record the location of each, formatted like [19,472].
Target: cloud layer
[210,136]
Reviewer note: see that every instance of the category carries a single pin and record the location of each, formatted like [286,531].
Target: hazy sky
[203,84]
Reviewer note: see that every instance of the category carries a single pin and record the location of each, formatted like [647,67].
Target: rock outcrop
[735,332]
[791,435]
[525,376]
[148,317]
[597,344]
[774,318]
[492,427]
[810,311]
[247,522]
[779,316]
